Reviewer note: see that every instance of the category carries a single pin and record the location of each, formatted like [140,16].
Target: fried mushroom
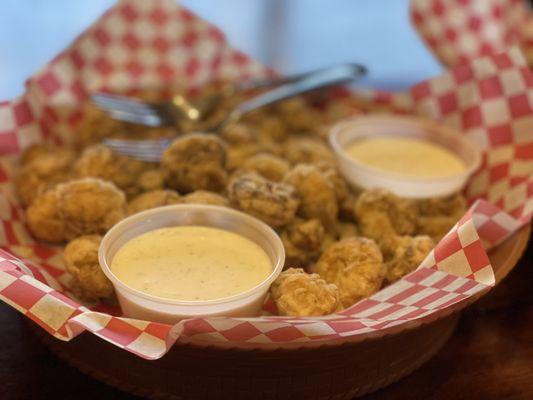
[268,166]
[406,256]
[42,168]
[307,150]
[437,216]
[273,202]
[355,266]
[152,199]
[381,215]
[79,207]
[205,197]
[316,193]
[195,162]
[81,261]
[297,293]
[99,161]
[302,241]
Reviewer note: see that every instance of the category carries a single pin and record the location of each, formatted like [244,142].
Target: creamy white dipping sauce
[406,156]
[191,263]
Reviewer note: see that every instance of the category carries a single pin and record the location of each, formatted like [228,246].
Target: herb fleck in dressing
[191,263]
[404,156]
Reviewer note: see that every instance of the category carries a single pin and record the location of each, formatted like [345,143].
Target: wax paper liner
[140,44]
[461,30]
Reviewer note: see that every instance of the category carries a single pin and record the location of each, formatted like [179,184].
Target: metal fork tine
[149,150]
[152,155]
[121,103]
[151,120]
[139,144]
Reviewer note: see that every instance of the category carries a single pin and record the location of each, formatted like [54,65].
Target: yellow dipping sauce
[191,263]
[406,156]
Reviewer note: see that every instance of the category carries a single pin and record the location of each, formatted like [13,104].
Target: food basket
[139,44]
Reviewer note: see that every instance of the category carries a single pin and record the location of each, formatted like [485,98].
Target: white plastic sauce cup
[137,304]
[360,175]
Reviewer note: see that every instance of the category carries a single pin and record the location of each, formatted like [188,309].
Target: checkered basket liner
[143,44]
[461,30]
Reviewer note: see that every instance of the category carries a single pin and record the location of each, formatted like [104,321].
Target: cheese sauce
[405,156]
[191,263]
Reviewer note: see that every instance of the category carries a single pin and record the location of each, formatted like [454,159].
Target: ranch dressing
[191,263]
[412,157]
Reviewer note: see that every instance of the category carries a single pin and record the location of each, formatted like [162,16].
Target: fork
[151,149]
[179,109]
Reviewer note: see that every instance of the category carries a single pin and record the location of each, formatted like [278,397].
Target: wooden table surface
[490,355]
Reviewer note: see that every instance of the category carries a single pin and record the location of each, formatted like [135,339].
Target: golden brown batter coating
[302,241]
[381,215]
[273,202]
[297,293]
[79,207]
[43,218]
[442,206]
[99,161]
[355,266]
[298,116]
[316,193]
[205,197]
[346,229]
[195,162]
[81,261]
[268,166]
[335,179]
[152,199]
[151,179]
[43,168]
[272,128]
[95,126]
[408,253]
[438,215]
[35,151]
[347,208]
[237,133]
[307,150]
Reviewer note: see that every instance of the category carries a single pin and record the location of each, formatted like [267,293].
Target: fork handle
[308,82]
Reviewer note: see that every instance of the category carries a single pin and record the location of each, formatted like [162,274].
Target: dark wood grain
[490,356]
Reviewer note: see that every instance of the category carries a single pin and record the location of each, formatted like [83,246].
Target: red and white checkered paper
[460,30]
[145,44]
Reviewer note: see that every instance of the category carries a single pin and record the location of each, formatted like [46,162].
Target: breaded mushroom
[297,293]
[268,166]
[195,162]
[302,241]
[316,193]
[298,116]
[355,266]
[151,179]
[81,261]
[43,167]
[382,216]
[437,216]
[99,161]
[79,207]
[205,197]
[237,133]
[336,180]
[35,151]
[346,229]
[273,202]
[272,128]
[307,150]
[408,253]
[152,199]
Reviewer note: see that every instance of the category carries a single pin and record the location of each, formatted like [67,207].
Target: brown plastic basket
[331,371]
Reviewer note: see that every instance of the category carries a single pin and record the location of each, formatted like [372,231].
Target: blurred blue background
[289,35]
